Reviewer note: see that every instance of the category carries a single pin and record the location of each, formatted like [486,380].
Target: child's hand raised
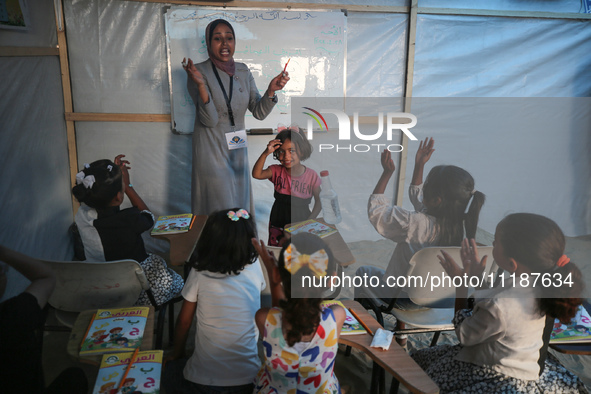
[387,162]
[272,146]
[472,265]
[124,165]
[265,255]
[425,151]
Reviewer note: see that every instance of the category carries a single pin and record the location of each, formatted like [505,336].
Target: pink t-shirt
[298,186]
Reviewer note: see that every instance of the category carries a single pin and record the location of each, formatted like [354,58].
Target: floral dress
[287,371]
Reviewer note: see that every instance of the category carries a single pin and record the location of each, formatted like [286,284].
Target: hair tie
[86,180]
[241,213]
[294,261]
[86,165]
[562,261]
[110,168]
[472,192]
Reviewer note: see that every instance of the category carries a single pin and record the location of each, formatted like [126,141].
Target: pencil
[128,367]
[369,331]
[285,68]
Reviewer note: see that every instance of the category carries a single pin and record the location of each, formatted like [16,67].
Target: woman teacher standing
[222,91]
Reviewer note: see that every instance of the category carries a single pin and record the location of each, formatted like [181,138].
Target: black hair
[225,245]
[211,27]
[538,243]
[298,138]
[107,183]
[455,187]
[303,314]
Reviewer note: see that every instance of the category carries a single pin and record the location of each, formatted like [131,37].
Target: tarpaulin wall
[35,202]
[118,64]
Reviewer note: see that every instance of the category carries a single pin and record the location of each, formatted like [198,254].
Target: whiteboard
[315,41]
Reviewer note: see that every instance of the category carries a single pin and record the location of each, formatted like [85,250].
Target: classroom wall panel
[117,54]
[473,56]
[529,147]
[35,196]
[376,54]
[568,6]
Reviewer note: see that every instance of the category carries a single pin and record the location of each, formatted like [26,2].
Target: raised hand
[124,165]
[272,146]
[265,255]
[192,72]
[473,266]
[425,151]
[449,265]
[387,162]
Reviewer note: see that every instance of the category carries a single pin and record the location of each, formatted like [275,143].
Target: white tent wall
[118,64]
[533,157]
[35,196]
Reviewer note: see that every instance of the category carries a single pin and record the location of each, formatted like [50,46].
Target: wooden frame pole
[410,66]
[68,103]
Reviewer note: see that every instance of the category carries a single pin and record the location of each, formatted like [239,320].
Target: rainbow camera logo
[315,118]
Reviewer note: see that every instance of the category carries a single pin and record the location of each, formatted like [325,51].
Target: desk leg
[394,386]
[378,380]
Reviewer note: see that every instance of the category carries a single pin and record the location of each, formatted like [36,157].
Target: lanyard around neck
[228,100]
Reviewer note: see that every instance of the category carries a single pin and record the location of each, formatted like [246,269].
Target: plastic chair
[94,285]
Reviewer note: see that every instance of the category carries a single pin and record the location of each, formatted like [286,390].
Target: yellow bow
[294,261]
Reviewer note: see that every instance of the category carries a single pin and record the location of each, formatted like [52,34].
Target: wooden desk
[79,332]
[336,243]
[182,245]
[395,360]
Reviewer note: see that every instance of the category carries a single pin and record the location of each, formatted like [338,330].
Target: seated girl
[223,294]
[504,337]
[299,338]
[109,233]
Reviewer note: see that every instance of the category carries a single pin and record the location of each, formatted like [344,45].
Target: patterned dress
[287,371]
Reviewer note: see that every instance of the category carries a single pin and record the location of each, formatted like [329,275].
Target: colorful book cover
[143,376]
[115,330]
[312,226]
[351,326]
[579,330]
[173,224]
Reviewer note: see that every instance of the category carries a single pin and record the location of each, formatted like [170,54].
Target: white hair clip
[86,180]
[86,165]
[110,168]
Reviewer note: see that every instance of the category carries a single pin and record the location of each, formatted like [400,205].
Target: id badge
[236,139]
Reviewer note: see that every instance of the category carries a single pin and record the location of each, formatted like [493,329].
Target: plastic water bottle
[329,201]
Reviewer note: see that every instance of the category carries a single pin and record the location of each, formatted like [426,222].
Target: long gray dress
[221,177]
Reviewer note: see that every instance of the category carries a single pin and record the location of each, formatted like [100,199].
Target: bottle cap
[324,173]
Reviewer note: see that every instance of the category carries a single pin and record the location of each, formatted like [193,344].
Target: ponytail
[454,186]
[302,313]
[471,218]
[562,302]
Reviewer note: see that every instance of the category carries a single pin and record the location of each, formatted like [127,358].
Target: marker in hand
[285,68]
